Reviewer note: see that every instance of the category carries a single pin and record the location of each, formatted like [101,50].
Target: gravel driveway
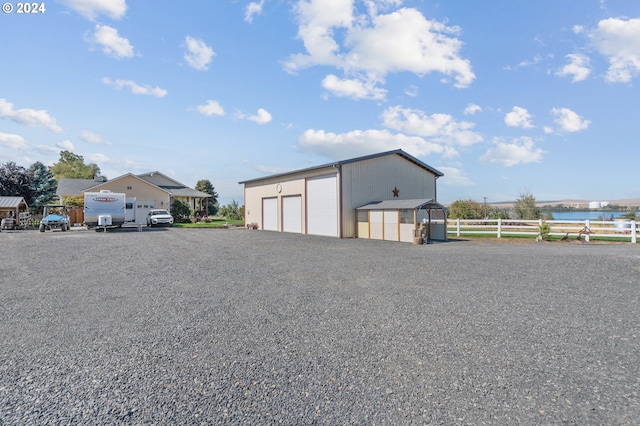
[185,326]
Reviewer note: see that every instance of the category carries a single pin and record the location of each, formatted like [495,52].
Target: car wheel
[41,228]
[63,227]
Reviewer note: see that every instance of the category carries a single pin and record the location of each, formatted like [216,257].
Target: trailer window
[129,206]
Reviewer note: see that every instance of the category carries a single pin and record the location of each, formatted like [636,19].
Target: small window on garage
[363,216]
[406,216]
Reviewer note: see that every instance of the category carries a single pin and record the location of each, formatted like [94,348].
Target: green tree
[465,209]
[15,181]
[498,213]
[631,214]
[232,211]
[525,207]
[72,166]
[210,204]
[180,210]
[44,185]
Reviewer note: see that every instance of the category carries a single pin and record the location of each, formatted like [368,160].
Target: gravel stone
[209,326]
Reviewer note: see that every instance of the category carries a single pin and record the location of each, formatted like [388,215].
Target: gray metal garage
[322,200]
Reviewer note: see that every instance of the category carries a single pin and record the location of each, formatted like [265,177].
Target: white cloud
[29,117]
[440,128]
[518,117]
[454,177]
[353,88]
[92,138]
[262,117]
[268,170]
[472,109]
[411,91]
[253,8]
[374,45]
[578,67]
[135,88]
[198,54]
[66,145]
[519,151]
[12,141]
[355,143]
[90,9]
[619,40]
[112,43]
[211,108]
[568,120]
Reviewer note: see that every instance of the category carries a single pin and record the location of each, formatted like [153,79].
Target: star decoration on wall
[395,191]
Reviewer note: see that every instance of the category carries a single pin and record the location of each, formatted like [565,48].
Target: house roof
[12,202]
[399,152]
[67,186]
[402,205]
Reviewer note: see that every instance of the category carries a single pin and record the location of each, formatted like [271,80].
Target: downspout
[340,206]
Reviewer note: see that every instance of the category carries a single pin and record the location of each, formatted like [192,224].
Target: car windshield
[159,212]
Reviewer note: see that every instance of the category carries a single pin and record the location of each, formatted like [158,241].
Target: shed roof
[399,152]
[12,202]
[402,205]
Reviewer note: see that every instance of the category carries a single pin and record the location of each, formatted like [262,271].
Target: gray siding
[375,179]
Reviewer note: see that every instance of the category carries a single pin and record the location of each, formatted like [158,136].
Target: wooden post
[499,228]
[458,227]
[634,231]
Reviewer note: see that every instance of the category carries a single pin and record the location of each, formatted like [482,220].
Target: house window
[128,188]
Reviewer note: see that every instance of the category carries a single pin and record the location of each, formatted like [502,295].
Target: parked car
[55,216]
[159,217]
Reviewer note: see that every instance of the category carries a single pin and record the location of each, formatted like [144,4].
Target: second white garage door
[292,214]
[322,206]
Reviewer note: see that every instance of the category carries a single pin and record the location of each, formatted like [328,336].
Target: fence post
[539,229]
[499,228]
[458,227]
[587,224]
[634,231]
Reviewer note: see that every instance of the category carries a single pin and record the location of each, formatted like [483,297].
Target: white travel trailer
[108,209]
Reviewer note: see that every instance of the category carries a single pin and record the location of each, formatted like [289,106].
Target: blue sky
[502,96]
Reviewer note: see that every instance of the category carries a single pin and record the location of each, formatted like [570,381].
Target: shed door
[270,214]
[375,224]
[292,214]
[322,206]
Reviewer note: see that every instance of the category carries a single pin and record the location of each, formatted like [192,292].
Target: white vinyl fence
[622,230]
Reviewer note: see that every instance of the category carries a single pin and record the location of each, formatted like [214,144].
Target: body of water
[585,215]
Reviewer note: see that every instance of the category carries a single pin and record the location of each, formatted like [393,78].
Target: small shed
[15,208]
[403,220]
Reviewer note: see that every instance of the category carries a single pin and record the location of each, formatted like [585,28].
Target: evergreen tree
[44,185]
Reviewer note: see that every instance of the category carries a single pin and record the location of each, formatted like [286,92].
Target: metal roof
[12,202]
[402,205]
[354,160]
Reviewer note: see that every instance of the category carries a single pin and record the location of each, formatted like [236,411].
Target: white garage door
[292,214]
[322,206]
[270,214]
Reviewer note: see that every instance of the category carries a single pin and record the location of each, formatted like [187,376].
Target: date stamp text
[24,8]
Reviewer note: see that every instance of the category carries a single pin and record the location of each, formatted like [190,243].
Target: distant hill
[578,204]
